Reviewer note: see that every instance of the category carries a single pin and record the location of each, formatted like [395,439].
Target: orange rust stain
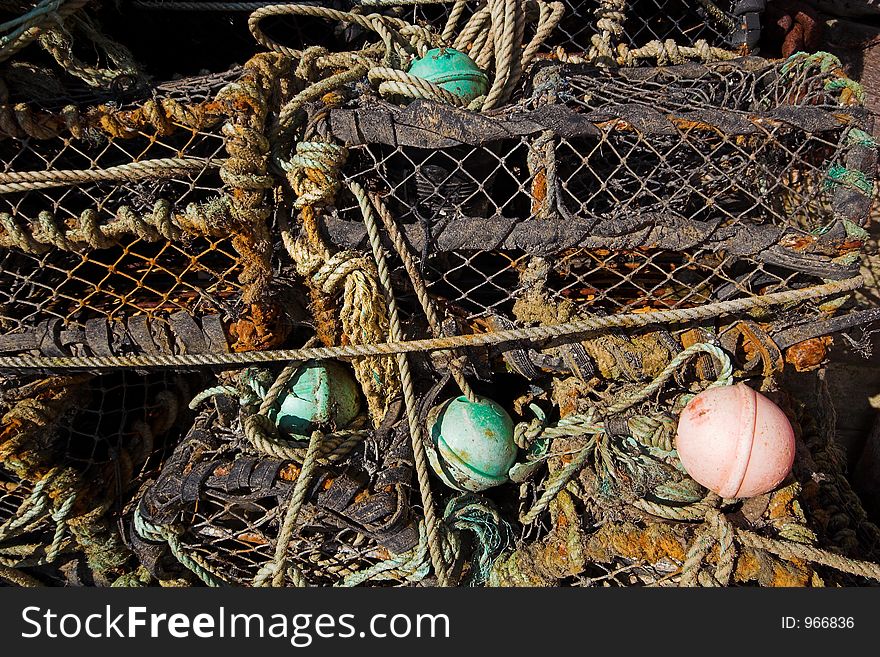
[650,544]
[781,503]
[809,354]
[250,537]
[539,191]
[289,472]
[263,329]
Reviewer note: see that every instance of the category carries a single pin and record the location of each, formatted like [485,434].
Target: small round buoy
[320,394]
[471,443]
[452,70]
[735,441]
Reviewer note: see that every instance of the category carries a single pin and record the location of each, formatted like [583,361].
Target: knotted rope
[718,530]
[588,425]
[314,174]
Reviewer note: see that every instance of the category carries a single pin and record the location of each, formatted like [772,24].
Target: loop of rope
[192,562]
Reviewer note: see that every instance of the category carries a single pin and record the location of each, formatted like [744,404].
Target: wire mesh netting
[621,192]
[72,453]
[140,229]
[225,505]
[560,260]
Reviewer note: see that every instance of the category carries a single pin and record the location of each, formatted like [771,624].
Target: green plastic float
[471,444]
[321,394]
[452,70]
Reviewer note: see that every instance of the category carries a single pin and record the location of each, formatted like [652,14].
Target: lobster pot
[140,229]
[631,191]
[73,450]
[635,519]
[220,504]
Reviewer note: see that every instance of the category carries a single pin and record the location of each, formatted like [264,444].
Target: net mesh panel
[647,189]
[92,437]
[156,263]
[231,501]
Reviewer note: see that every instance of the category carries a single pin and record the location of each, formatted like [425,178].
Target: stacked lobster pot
[614,234]
[133,227]
[140,229]
[458,271]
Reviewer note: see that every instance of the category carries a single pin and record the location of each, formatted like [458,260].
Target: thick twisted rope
[533,333]
[58,41]
[314,174]
[47,232]
[792,550]
[18,578]
[493,35]
[24,181]
[606,50]
[719,530]
[420,288]
[297,498]
[409,396]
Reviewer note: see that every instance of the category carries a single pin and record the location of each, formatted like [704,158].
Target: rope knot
[308,68]
[333,272]
[315,171]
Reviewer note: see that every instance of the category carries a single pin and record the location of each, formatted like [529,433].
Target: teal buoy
[471,444]
[321,394]
[452,70]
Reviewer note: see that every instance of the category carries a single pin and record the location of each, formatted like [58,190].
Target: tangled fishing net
[236,305]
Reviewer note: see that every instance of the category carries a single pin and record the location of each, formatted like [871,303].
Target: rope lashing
[46,232]
[192,562]
[606,50]
[435,543]
[314,174]
[262,433]
[58,41]
[587,424]
[718,530]
[33,510]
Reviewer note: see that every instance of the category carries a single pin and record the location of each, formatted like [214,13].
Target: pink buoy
[735,441]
